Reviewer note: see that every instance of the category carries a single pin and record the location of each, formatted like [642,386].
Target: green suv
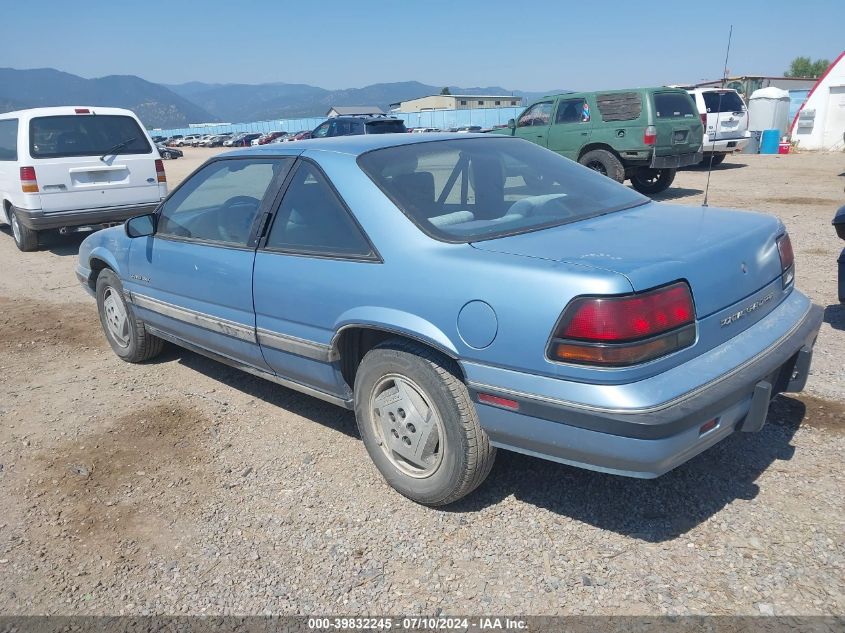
[642,134]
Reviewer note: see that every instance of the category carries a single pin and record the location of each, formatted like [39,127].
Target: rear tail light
[704,122]
[624,330]
[650,135]
[162,177]
[29,184]
[787,259]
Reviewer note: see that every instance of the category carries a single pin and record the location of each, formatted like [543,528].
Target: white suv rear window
[85,135]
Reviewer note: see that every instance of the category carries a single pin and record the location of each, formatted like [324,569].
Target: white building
[820,123]
[456,102]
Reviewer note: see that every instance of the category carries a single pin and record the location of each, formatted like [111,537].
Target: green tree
[806,67]
[445,91]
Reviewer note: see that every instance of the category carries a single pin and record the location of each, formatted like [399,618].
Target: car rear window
[674,105]
[480,188]
[85,135]
[621,106]
[9,139]
[386,127]
[723,101]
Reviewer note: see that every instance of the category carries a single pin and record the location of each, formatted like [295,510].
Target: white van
[75,168]
[725,120]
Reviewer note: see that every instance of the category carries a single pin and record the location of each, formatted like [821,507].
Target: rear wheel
[419,425]
[125,332]
[650,181]
[717,159]
[26,239]
[604,162]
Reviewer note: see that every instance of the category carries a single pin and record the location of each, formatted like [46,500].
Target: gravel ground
[184,486]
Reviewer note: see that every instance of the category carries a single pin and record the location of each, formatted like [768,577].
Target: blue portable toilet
[769,141]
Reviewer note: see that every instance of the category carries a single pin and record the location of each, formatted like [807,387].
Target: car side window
[572,111]
[221,201]
[538,114]
[9,139]
[321,130]
[312,219]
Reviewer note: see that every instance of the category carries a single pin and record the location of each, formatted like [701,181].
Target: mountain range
[167,106]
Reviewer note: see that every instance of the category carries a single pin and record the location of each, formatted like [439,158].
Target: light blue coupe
[466,292]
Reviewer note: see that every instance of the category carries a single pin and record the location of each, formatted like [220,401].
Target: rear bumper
[728,145]
[651,440]
[675,161]
[39,220]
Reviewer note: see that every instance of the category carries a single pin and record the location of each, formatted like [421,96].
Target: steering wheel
[235,217]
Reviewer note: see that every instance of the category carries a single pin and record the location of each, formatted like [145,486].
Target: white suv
[75,168]
[725,120]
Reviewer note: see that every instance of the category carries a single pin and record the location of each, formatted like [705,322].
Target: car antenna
[718,114]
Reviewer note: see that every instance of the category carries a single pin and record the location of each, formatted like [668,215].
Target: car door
[571,128]
[193,278]
[533,124]
[313,253]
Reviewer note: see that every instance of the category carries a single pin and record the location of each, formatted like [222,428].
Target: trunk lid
[678,124]
[88,160]
[724,255]
[727,116]
[87,183]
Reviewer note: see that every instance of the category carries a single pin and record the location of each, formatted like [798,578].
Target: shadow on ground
[725,166]
[651,510]
[835,315]
[53,241]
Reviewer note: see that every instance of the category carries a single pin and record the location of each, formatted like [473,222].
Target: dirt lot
[183,486]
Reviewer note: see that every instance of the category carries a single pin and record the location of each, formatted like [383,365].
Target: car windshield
[729,102]
[480,188]
[86,135]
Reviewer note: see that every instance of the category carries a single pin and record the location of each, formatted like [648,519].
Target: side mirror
[839,222]
[141,226]
[512,124]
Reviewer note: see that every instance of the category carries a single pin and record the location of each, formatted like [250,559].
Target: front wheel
[26,239]
[650,181]
[124,331]
[419,424]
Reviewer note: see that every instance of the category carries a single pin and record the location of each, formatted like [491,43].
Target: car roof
[355,145]
[60,110]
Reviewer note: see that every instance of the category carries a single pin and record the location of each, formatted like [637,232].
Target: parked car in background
[230,142]
[355,125]
[187,140]
[172,140]
[272,136]
[643,134]
[168,153]
[158,139]
[468,129]
[75,168]
[218,140]
[301,135]
[200,141]
[725,120]
[425,130]
[244,140]
[631,360]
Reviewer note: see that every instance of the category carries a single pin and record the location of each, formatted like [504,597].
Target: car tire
[125,332]
[718,159]
[604,162]
[166,155]
[651,181]
[26,239]
[404,390]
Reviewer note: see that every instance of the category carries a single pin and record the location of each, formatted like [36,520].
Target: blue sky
[529,45]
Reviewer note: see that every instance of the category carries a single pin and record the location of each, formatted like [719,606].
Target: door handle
[584,133]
